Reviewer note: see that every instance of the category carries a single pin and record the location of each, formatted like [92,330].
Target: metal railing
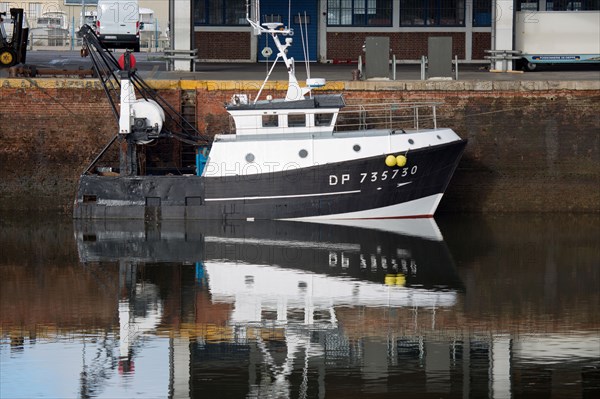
[69,42]
[356,117]
[395,116]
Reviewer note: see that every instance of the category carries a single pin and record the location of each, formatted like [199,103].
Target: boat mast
[294,92]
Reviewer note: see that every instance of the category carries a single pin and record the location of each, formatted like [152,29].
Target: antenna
[275,30]
[304,45]
[307,57]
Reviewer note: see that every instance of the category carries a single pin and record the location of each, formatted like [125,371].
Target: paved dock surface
[152,66]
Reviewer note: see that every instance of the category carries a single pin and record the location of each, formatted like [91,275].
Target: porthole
[356,148]
[411,141]
[249,157]
[303,153]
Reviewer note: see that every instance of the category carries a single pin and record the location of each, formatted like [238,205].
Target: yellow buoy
[390,279]
[390,161]
[400,160]
[400,279]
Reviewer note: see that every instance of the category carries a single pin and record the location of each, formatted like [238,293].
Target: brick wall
[406,45]
[221,46]
[481,41]
[530,148]
[48,136]
[343,45]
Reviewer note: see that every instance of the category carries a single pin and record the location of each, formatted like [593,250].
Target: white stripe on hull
[422,207]
[284,196]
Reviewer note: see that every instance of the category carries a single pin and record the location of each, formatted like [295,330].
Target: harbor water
[463,306]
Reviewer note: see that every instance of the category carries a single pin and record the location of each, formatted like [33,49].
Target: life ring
[266,52]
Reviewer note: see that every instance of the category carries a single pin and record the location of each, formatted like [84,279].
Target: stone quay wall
[534,146]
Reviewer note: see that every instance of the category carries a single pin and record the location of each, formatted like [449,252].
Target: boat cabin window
[270,120]
[296,120]
[323,119]
[49,21]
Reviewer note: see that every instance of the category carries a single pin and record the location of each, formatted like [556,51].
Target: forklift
[13,51]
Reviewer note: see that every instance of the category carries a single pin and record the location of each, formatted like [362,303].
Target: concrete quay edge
[379,85]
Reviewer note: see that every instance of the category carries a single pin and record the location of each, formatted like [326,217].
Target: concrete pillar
[469,30]
[502,30]
[182,30]
[322,30]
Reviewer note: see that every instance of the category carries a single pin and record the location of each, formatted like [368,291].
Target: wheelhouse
[315,114]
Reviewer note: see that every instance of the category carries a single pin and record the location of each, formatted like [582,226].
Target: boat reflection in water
[291,309]
[270,299]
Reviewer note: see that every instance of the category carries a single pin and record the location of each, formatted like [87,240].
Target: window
[359,12]
[565,5]
[296,120]
[270,120]
[220,12]
[35,10]
[432,12]
[482,12]
[528,5]
[323,119]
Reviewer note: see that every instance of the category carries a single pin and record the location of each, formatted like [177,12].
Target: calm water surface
[502,306]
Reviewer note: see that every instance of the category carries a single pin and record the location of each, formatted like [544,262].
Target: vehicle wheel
[8,57]
[530,66]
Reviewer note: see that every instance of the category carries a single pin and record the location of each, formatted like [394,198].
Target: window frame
[432,10]
[296,119]
[482,13]
[323,118]
[349,12]
[225,9]
[270,120]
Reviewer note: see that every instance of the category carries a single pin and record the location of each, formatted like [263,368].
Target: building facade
[333,30]
[336,29]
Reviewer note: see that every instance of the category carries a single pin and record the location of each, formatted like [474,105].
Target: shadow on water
[482,306]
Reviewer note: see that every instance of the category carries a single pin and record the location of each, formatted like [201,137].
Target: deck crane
[13,51]
[140,120]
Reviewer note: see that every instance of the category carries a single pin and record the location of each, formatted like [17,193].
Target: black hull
[348,188]
[366,254]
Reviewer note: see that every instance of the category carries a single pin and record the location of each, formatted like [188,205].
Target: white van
[118,24]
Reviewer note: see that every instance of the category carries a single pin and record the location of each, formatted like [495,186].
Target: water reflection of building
[169,278]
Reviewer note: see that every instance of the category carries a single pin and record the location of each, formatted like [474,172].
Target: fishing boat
[52,29]
[311,155]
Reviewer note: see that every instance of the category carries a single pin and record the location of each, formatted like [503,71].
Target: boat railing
[353,117]
[414,116]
